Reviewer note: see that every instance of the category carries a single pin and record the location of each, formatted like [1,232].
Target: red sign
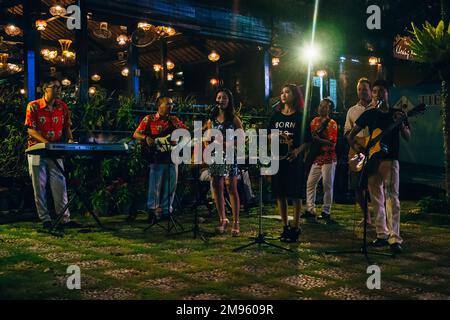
[402,50]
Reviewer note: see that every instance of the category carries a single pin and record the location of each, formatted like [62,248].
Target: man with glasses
[48,120]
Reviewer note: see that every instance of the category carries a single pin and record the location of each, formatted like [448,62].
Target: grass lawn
[131,264]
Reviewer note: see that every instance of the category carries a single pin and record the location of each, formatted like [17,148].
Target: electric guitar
[373,143]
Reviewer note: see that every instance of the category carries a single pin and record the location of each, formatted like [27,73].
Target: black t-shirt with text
[290,125]
[374,118]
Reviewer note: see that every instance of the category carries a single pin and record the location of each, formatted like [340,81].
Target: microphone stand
[362,186]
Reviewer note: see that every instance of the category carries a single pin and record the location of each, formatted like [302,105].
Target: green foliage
[102,200]
[13,133]
[124,118]
[431,44]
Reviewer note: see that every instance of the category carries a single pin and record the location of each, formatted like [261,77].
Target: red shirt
[327,153]
[50,124]
[152,125]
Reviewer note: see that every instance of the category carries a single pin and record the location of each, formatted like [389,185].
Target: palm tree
[432,46]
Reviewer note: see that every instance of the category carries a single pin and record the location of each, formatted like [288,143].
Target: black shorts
[289,182]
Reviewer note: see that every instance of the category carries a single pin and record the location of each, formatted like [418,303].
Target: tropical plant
[124,118]
[124,198]
[431,45]
[101,201]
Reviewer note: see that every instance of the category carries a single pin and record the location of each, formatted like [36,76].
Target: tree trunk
[445,103]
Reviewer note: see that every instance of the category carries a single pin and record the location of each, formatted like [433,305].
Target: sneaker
[308,215]
[285,235]
[326,217]
[396,248]
[294,234]
[379,243]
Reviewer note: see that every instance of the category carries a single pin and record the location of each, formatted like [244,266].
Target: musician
[288,181]
[163,173]
[224,118]
[48,120]
[324,164]
[364,91]
[383,178]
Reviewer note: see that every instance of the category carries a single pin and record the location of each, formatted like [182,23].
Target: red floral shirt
[152,125]
[50,124]
[327,153]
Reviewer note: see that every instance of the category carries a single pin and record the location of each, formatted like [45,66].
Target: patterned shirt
[154,126]
[50,124]
[327,153]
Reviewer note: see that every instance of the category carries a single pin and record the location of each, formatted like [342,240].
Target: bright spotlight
[310,53]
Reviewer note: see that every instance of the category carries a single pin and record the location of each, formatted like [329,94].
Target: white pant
[326,173]
[41,169]
[384,195]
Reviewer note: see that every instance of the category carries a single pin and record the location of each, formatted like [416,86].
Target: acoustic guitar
[373,143]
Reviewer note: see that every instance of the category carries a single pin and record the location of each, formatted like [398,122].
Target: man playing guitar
[383,167]
[363,89]
[152,132]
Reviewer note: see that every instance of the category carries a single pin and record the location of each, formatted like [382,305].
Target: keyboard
[55,149]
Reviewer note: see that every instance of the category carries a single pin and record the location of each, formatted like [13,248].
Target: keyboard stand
[60,215]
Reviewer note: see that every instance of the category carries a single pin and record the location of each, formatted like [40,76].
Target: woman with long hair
[224,118]
[288,183]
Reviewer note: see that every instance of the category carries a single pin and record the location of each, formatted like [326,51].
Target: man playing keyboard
[48,120]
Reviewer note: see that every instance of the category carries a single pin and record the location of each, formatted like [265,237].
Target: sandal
[235,230]
[222,228]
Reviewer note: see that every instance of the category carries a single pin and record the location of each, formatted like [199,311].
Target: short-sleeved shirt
[327,153]
[374,118]
[153,125]
[352,114]
[50,124]
[288,124]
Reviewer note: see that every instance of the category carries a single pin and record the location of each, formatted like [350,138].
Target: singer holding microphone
[222,118]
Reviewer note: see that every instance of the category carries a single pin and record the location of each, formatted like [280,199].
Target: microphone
[276,104]
[380,102]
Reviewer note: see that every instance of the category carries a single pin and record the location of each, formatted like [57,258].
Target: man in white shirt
[364,91]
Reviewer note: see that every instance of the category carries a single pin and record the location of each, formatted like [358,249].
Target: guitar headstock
[417,110]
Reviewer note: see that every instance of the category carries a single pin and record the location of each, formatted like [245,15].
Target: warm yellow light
[169,76]
[125,72]
[179,83]
[275,61]
[12,30]
[214,82]
[92,90]
[321,73]
[373,61]
[22,91]
[157,67]
[144,26]
[57,10]
[66,82]
[214,56]
[170,31]
[122,39]
[41,25]
[170,65]
[95,77]
[14,67]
